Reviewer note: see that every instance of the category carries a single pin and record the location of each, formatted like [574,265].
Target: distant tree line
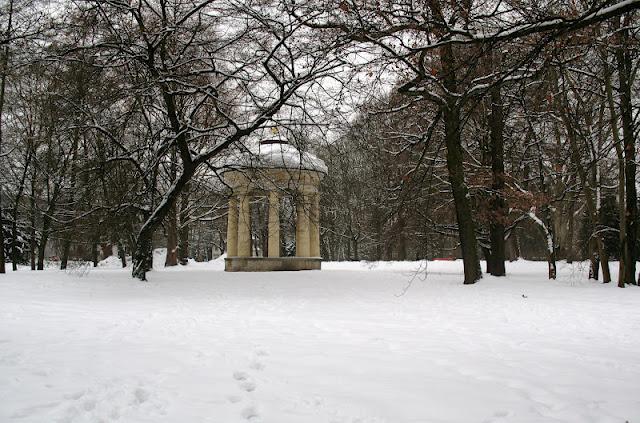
[508,118]
[479,130]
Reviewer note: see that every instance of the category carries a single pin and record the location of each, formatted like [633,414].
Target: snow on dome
[278,154]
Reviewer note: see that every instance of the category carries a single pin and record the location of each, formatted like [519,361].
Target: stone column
[232,228]
[302,227]
[274,224]
[244,226]
[314,226]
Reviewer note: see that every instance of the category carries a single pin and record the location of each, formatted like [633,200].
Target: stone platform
[267,264]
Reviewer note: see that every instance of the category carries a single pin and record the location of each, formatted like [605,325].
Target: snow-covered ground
[355,342]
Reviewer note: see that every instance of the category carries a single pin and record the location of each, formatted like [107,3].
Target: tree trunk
[95,242]
[624,64]
[33,246]
[553,271]
[571,252]
[172,238]
[2,266]
[32,208]
[16,206]
[14,239]
[488,259]
[597,251]
[183,247]
[498,205]
[3,83]
[41,248]
[402,237]
[122,254]
[69,227]
[142,256]
[455,167]
[172,221]
[377,224]
[613,123]
[594,259]
[46,227]
[515,245]
[545,223]
[66,247]
[551,257]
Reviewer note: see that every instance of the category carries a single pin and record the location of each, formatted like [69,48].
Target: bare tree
[439,46]
[207,75]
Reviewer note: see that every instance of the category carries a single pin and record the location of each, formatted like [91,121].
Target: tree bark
[2,260]
[498,204]
[95,243]
[41,248]
[172,238]
[122,254]
[46,228]
[624,65]
[597,251]
[69,227]
[66,248]
[455,167]
[183,247]
[3,84]
[402,238]
[487,258]
[16,205]
[32,208]
[594,259]
[613,123]
[172,221]
[570,250]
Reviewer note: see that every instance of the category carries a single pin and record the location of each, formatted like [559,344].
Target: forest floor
[355,342]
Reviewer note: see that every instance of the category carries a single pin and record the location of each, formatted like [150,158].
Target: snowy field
[351,343]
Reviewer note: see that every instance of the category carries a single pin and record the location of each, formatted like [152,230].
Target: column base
[269,264]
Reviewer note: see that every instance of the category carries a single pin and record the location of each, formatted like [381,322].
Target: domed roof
[277,154]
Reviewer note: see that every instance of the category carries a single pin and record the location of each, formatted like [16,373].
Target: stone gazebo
[274,169]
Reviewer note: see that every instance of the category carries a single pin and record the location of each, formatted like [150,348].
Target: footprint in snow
[234,398]
[499,416]
[142,395]
[244,382]
[75,396]
[250,413]
[248,386]
[256,365]
[89,404]
[238,375]
[256,362]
